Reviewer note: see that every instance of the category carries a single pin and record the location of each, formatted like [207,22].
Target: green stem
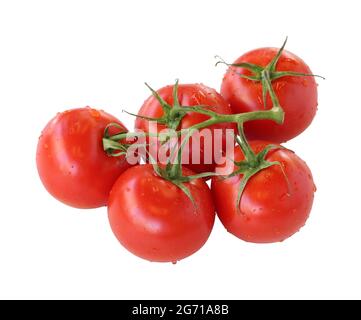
[268,83]
[276,114]
[250,156]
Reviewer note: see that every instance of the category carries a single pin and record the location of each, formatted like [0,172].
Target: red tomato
[155,220]
[70,158]
[271,209]
[297,95]
[190,95]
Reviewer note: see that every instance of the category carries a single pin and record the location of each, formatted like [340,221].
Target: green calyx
[265,75]
[172,114]
[111,146]
[173,172]
[252,164]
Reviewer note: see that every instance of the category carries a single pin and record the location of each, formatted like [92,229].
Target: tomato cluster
[261,192]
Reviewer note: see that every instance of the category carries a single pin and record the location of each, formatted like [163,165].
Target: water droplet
[284,196]
[174,262]
[155,189]
[277,231]
[94,113]
[46,146]
[127,189]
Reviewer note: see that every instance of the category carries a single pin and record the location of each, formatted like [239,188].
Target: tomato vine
[115,145]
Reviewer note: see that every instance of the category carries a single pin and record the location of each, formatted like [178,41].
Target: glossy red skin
[70,158]
[188,95]
[297,95]
[270,212]
[155,220]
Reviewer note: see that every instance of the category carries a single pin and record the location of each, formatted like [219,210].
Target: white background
[56,55]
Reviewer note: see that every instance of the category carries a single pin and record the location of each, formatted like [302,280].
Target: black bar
[170,309]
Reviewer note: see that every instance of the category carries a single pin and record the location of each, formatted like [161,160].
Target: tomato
[70,158]
[271,209]
[155,220]
[297,95]
[191,95]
